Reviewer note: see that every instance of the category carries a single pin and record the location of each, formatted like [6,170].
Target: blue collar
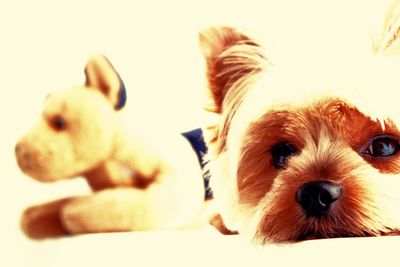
[196,139]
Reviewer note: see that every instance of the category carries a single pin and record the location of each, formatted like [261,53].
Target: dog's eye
[58,123]
[382,146]
[280,154]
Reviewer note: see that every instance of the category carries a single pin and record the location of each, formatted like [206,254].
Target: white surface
[44,46]
[207,248]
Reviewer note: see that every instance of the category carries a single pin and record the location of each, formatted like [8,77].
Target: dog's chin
[315,236]
[304,231]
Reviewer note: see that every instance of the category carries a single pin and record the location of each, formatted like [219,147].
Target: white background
[44,46]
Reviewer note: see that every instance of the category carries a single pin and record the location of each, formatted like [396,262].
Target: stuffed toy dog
[136,185]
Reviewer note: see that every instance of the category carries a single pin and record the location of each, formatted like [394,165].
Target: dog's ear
[231,58]
[101,75]
[388,40]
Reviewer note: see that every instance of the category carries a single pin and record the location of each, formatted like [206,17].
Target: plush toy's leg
[172,199]
[43,221]
[131,209]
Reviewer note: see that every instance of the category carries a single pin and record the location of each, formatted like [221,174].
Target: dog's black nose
[316,197]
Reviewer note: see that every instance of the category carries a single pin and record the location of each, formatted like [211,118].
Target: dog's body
[295,154]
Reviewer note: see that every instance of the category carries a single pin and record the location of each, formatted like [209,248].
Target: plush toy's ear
[101,75]
[231,59]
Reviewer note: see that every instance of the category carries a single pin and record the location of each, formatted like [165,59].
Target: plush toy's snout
[34,157]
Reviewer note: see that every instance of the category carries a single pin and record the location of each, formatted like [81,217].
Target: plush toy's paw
[106,211]
[43,221]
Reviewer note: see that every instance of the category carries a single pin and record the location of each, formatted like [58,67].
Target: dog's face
[76,129]
[298,156]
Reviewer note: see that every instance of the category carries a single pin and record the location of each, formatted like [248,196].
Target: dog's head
[77,127]
[302,154]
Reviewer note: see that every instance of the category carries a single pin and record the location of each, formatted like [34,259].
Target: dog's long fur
[330,116]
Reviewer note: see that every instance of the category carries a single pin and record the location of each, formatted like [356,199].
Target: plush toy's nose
[23,157]
[18,149]
[316,198]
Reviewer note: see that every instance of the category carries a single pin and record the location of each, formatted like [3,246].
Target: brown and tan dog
[302,151]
